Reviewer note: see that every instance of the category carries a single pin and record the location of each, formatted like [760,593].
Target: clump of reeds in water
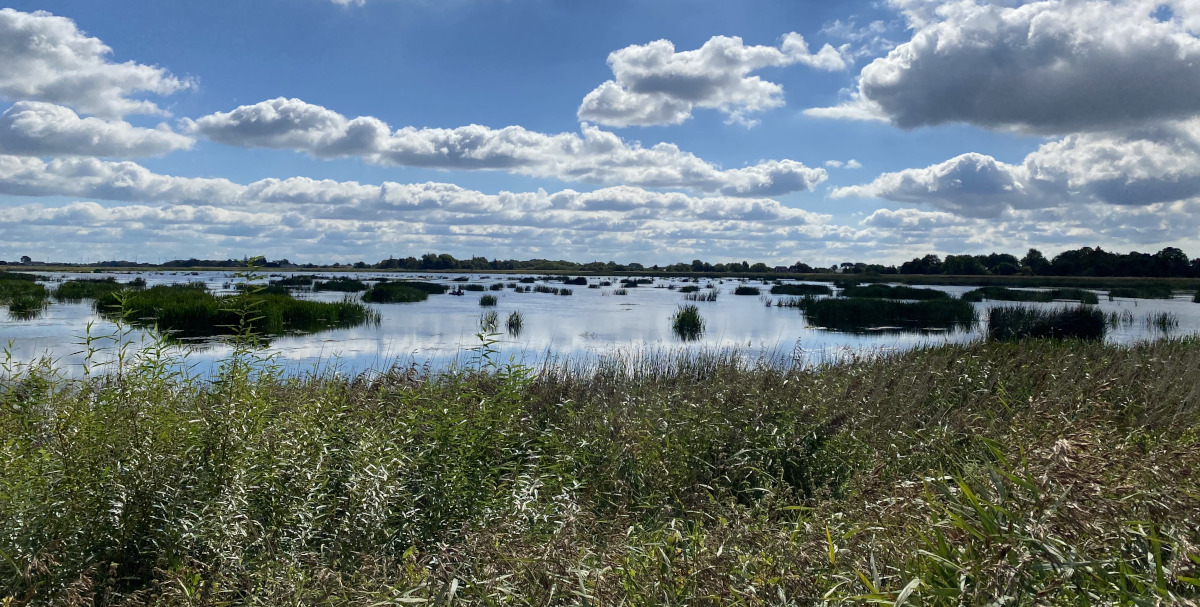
[801,289]
[789,302]
[687,323]
[1005,294]
[489,321]
[191,311]
[24,297]
[546,289]
[1019,322]
[1163,321]
[860,314]
[706,295]
[565,292]
[893,292]
[1117,319]
[499,286]
[341,284]
[528,280]
[488,300]
[620,292]
[473,287]
[1142,292]
[395,292]
[514,323]
[689,288]
[298,280]
[746,290]
[91,288]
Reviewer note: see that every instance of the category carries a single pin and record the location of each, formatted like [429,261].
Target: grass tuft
[687,323]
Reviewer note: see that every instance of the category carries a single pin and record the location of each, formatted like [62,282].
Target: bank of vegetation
[1030,472]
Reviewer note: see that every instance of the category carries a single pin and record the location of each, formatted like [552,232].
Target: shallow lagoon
[591,322]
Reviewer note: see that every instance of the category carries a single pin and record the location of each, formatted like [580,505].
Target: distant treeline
[1086,261]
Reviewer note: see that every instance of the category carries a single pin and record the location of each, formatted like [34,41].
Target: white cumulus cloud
[591,156]
[1054,66]
[655,85]
[47,58]
[37,128]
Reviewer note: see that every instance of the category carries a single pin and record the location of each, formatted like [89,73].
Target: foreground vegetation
[1035,472]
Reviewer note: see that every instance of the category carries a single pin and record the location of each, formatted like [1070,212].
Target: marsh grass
[395,292]
[22,295]
[801,289]
[1020,322]
[623,292]
[298,280]
[1117,319]
[707,295]
[861,314]
[341,284]
[1004,294]
[1162,321]
[893,292]
[488,300]
[746,290]
[515,323]
[489,321]
[1142,292]
[686,322]
[91,288]
[190,311]
[1050,472]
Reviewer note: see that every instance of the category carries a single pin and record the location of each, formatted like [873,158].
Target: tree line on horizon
[1085,261]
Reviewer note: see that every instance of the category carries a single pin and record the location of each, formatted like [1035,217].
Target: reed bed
[687,323]
[938,476]
[893,292]
[1004,294]
[92,288]
[1142,292]
[396,292]
[860,314]
[340,284]
[707,295]
[801,289]
[746,290]
[190,311]
[514,323]
[1019,322]
[22,295]
[299,280]
[489,321]
[1162,321]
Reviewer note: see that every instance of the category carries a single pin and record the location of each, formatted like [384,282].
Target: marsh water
[445,330]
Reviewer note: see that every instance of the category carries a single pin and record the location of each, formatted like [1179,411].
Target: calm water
[591,322]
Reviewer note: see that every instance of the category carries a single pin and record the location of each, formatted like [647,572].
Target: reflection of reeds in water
[687,323]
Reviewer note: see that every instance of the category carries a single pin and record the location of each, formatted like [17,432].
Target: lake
[591,322]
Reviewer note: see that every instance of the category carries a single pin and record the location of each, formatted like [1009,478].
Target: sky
[654,131]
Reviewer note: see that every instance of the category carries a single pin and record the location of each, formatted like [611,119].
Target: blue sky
[652,131]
